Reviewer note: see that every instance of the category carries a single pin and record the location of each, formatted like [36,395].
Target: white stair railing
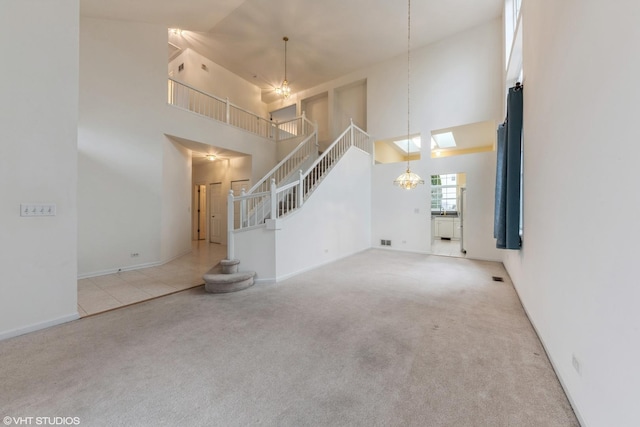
[291,163]
[275,202]
[188,98]
[352,136]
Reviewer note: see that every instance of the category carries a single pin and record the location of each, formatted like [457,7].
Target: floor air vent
[497,279]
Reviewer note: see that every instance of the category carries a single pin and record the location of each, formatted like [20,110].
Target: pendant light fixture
[284,89]
[408,180]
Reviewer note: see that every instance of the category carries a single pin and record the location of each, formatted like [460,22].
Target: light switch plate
[37,209]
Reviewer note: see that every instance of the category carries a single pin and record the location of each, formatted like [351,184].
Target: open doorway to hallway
[448,196]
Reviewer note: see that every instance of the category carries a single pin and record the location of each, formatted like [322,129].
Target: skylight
[444,140]
[414,145]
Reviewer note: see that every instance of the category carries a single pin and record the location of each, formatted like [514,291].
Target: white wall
[317,111]
[576,273]
[38,122]
[121,149]
[217,81]
[334,222]
[256,250]
[219,135]
[350,104]
[135,183]
[176,201]
[455,81]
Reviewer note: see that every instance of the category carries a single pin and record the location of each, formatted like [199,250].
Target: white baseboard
[387,248]
[38,326]
[131,267]
[554,365]
[118,270]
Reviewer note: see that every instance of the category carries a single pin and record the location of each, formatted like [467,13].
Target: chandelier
[408,180]
[284,90]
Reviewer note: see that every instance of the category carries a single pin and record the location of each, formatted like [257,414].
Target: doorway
[448,197]
[216,206]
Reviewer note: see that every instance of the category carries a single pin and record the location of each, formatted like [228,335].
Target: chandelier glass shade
[284,90]
[408,180]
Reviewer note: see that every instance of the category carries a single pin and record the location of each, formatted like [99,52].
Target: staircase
[290,201]
[256,205]
[275,199]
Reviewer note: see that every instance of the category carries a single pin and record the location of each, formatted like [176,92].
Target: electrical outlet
[576,364]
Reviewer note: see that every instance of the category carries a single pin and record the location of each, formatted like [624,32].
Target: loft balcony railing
[188,98]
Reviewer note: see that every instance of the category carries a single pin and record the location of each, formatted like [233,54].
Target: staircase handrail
[308,189]
[267,178]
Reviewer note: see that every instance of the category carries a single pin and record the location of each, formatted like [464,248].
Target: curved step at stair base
[225,277]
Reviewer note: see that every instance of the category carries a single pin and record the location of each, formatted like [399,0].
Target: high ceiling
[327,38]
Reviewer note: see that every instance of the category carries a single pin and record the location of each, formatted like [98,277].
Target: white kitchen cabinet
[448,227]
[444,227]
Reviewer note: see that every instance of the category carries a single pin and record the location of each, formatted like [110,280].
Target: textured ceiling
[327,38]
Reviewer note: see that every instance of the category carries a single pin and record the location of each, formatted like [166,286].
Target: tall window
[444,193]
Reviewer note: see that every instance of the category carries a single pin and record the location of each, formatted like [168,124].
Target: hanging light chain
[408,180]
[408,80]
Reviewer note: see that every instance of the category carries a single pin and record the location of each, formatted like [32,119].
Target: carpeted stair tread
[217,281]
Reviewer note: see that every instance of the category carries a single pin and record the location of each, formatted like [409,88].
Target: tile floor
[102,293]
[447,247]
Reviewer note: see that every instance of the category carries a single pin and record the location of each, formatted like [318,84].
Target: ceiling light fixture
[211,157]
[284,90]
[408,180]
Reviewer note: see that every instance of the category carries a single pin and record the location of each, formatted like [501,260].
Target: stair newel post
[230,235]
[274,201]
[300,188]
[351,131]
[228,112]
[243,209]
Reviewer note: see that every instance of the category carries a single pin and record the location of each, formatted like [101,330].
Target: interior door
[216,205]
[202,211]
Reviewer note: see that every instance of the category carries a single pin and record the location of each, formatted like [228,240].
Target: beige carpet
[379,339]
